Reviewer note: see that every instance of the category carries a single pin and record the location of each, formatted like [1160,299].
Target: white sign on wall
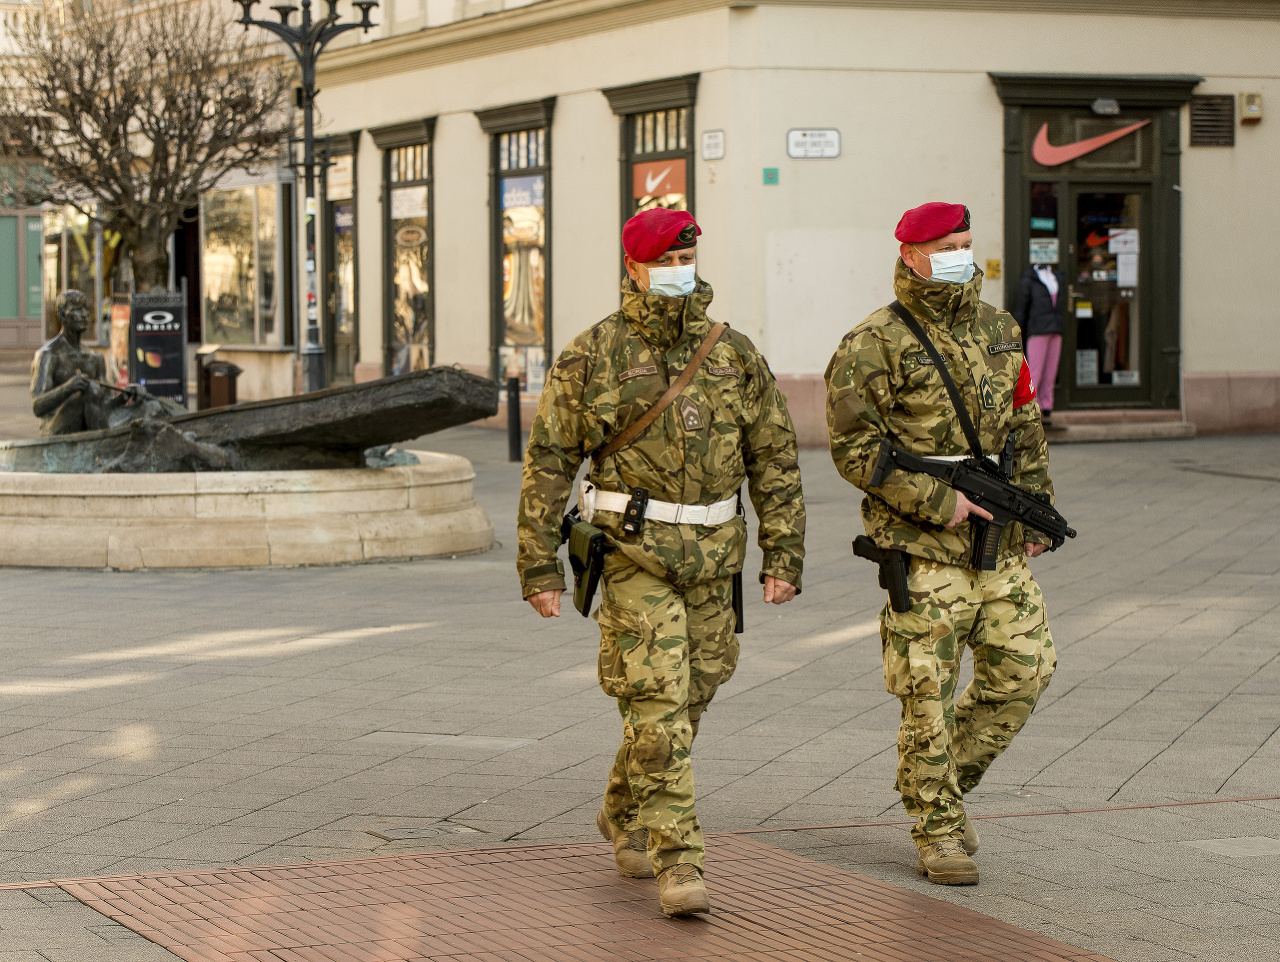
[713,145]
[813,143]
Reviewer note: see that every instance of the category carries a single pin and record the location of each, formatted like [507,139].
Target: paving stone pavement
[156,721]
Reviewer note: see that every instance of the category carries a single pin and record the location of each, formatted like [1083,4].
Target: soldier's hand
[1033,549]
[777,591]
[547,603]
[964,508]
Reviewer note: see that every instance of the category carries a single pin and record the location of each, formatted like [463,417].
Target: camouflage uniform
[881,384]
[666,621]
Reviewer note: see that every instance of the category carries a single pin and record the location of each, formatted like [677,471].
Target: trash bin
[217,383]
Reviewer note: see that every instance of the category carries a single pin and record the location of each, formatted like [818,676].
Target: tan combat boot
[971,840]
[945,863]
[630,849]
[681,892]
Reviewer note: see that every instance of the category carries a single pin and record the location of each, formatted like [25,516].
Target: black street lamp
[306,41]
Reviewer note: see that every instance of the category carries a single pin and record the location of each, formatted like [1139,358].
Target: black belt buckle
[633,514]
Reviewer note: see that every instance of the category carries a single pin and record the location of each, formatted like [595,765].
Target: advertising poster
[524,282]
[118,355]
[158,344]
[660,183]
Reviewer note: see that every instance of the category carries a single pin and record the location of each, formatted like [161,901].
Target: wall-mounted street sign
[813,143]
[713,145]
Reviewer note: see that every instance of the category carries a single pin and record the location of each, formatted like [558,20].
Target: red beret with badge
[651,233]
[931,221]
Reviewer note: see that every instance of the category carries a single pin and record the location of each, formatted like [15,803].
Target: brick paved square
[174,722]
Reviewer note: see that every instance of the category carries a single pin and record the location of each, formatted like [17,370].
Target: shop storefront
[509,148]
[1092,189]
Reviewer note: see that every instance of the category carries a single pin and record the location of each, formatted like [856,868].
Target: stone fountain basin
[225,519]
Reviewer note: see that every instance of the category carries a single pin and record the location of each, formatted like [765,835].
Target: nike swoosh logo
[1095,239]
[1047,155]
[651,182]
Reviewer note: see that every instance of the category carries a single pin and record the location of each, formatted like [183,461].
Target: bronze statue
[68,390]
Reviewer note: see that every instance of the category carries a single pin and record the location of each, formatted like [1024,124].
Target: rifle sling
[966,423]
[641,424]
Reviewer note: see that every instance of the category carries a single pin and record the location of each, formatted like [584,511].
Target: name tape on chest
[638,372]
[921,358]
[723,371]
[1004,347]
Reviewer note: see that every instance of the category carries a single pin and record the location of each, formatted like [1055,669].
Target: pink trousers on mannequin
[1043,353]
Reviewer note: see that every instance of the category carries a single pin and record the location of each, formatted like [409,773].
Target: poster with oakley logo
[158,344]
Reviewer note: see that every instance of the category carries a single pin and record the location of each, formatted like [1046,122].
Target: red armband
[1025,392]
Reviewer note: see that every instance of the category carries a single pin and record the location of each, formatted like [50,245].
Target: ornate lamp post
[306,40]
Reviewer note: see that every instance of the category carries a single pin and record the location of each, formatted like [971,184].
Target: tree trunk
[150,265]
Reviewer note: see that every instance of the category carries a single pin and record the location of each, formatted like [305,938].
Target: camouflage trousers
[663,653]
[945,744]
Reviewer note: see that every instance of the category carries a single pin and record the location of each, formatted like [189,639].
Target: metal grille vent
[1213,120]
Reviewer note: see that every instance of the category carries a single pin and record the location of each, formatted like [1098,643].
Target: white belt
[591,500]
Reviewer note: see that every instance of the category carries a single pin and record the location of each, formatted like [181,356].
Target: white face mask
[672,281]
[953,267]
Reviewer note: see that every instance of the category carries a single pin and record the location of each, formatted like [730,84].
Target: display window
[410,322]
[341,322]
[522,193]
[660,159]
[240,266]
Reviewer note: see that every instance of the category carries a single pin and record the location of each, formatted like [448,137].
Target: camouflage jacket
[882,384]
[731,424]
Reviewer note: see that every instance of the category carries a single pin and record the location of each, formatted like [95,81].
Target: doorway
[1106,324]
[1092,190]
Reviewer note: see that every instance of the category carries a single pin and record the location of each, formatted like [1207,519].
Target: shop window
[521,163]
[409,312]
[240,253]
[341,327]
[1213,120]
[657,143]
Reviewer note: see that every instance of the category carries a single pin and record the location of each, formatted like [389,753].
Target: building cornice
[408,134]
[1080,90]
[552,21]
[513,117]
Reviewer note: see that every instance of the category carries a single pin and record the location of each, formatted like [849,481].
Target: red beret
[651,233]
[931,221]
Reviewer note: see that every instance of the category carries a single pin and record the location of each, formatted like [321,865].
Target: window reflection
[228,265]
[410,282]
[239,228]
[267,299]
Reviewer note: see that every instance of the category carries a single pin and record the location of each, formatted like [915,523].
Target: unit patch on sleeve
[638,371]
[1004,347]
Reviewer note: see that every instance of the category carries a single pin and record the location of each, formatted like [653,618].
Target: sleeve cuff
[940,507]
[790,575]
[543,577]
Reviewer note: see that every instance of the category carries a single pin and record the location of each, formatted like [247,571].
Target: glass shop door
[1107,330]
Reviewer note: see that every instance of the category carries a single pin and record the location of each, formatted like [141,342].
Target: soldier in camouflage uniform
[666,620]
[881,384]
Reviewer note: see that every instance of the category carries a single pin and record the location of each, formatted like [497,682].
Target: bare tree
[133,111]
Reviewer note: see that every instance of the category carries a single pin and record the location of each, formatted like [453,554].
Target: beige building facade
[484,156]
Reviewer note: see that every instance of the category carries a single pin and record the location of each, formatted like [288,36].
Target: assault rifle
[981,481]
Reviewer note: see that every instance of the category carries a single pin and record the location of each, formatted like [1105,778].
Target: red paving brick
[550,903]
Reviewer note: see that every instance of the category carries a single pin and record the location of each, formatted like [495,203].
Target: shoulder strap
[641,424]
[966,423]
